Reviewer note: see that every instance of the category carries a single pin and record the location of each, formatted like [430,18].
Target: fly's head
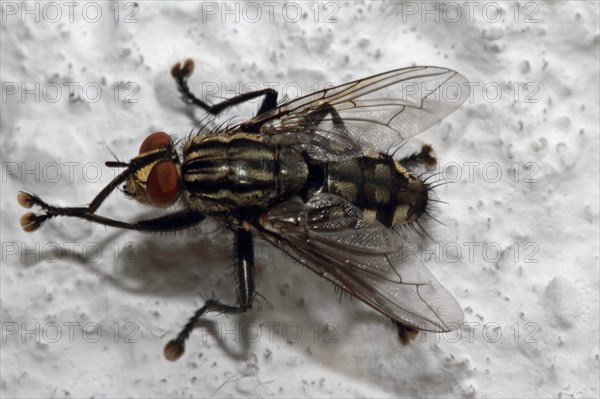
[158,183]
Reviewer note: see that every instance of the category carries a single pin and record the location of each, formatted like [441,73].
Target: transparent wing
[379,112]
[331,237]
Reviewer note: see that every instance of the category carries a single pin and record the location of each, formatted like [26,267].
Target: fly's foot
[406,333]
[30,221]
[183,73]
[424,157]
[174,349]
[25,200]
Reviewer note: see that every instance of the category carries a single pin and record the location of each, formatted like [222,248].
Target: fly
[314,177]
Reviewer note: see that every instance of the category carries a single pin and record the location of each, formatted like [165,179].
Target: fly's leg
[406,333]
[175,221]
[316,171]
[424,157]
[182,73]
[29,200]
[318,115]
[244,264]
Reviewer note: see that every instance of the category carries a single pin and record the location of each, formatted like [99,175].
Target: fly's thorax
[232,172]
[383,188]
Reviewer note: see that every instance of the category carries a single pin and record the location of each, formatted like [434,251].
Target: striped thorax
[233,174]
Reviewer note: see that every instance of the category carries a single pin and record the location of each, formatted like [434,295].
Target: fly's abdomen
[237,172]
[382,187]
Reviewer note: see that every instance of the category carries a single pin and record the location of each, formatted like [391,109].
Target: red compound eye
[155,141]
[162,188]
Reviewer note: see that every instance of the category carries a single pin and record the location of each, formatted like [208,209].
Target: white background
[532,314]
